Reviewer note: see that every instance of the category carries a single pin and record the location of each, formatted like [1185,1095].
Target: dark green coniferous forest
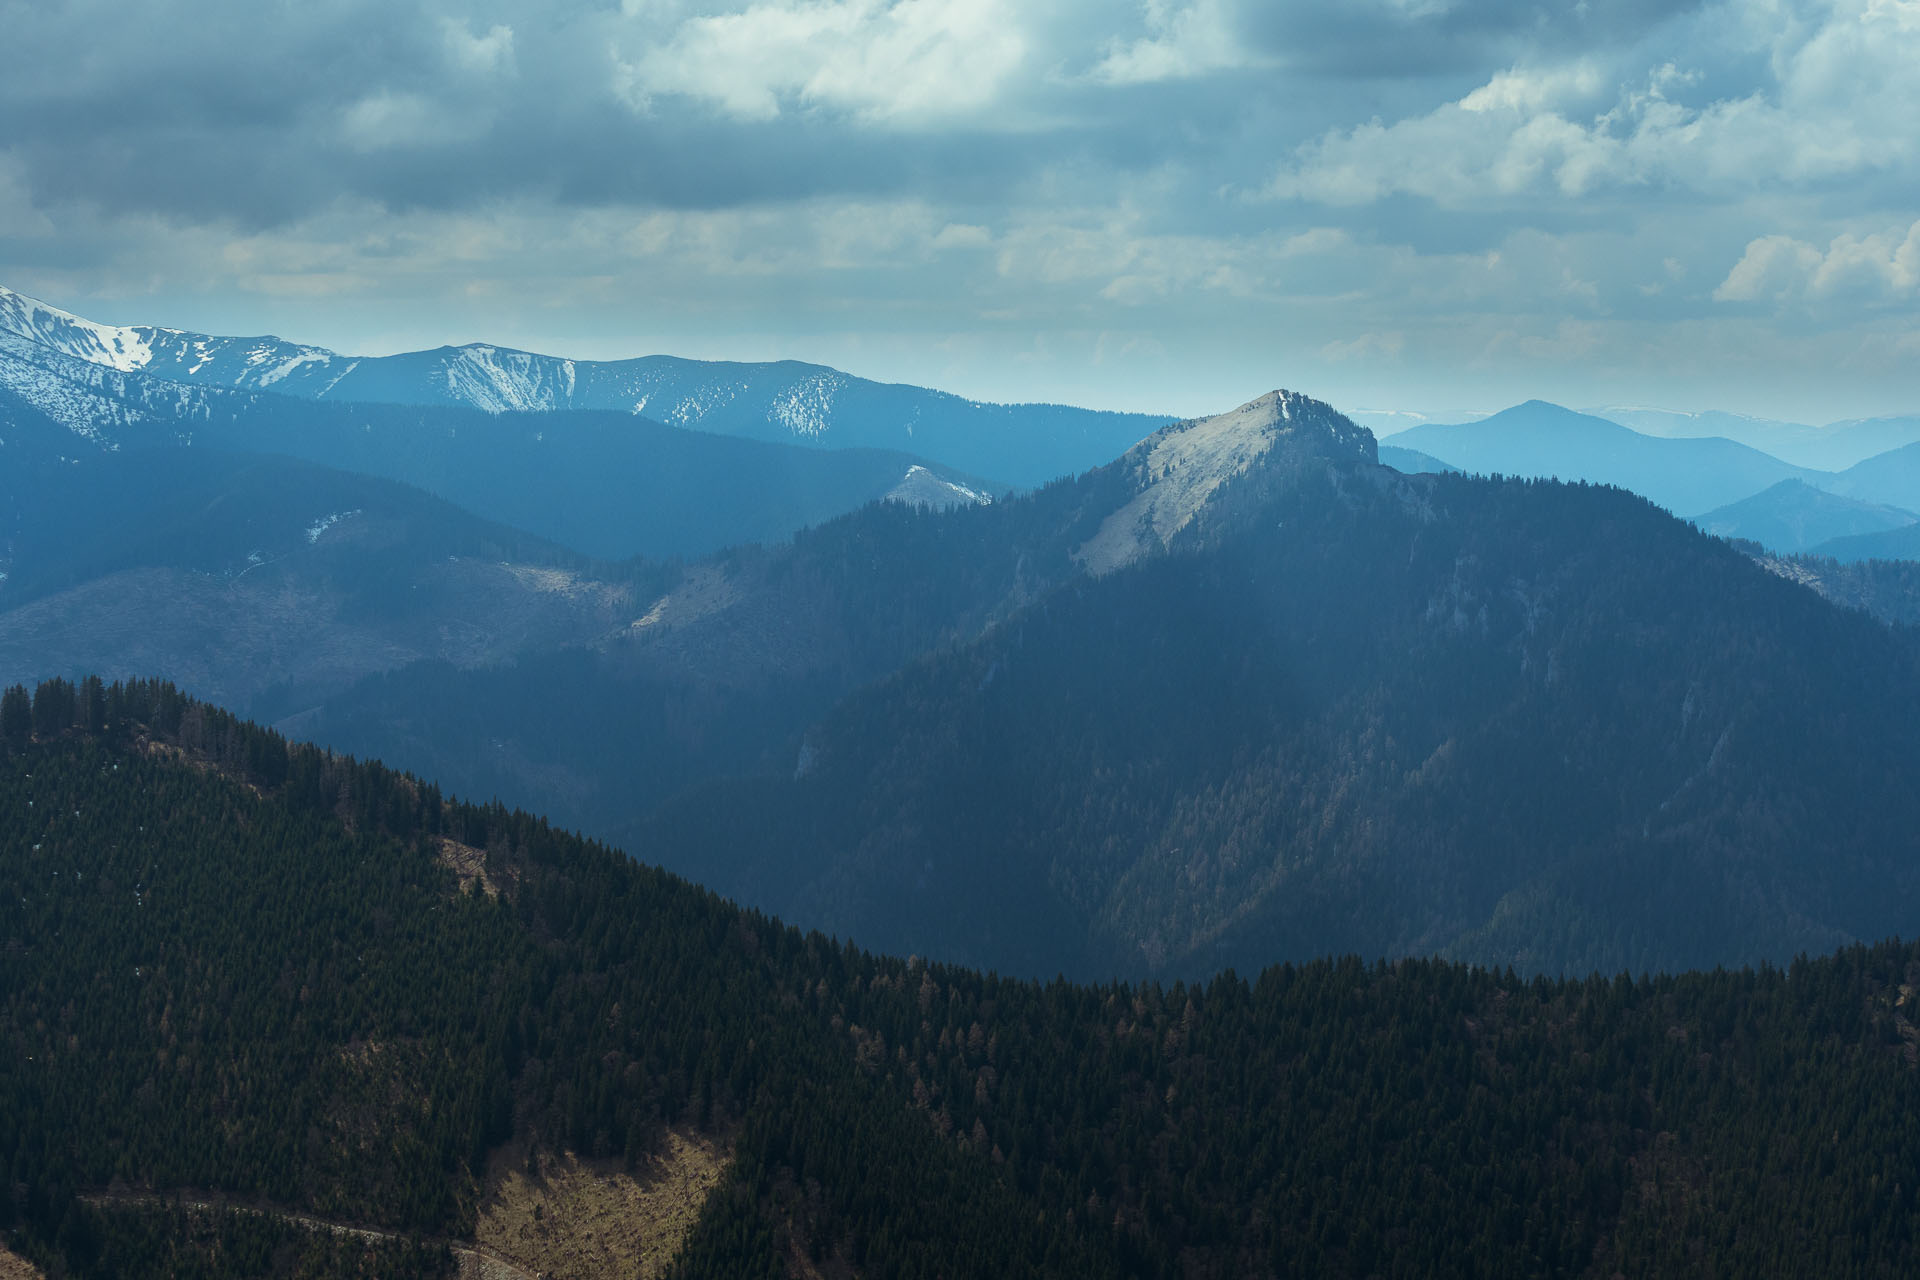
[249,969]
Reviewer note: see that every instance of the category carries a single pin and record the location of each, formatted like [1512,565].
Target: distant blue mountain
[1794,516]
[1889,544]
[783,402]
[1891,477]
[1412,461]
[1686,476]
[1866,438]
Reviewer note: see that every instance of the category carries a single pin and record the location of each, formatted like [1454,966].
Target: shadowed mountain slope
[243,574]
[1244,694]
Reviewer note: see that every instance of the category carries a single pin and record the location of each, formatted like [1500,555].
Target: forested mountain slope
[236,967]
[1519,723]
[782,402]
[1886,589]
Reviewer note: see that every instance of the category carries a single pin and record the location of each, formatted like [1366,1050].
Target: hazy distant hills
[1794,516]
[781,402]
[1833,447]
[1901,543]
[1733,488]
[1685,476]
[1890,477]
[1411,461]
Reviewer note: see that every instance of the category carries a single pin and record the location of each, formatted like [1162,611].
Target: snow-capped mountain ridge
[780,401]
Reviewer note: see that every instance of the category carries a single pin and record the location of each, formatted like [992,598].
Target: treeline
[235,965]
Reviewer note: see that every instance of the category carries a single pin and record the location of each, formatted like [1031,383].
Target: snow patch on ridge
[922,488]
[114,346]
[307,355]
[324,523]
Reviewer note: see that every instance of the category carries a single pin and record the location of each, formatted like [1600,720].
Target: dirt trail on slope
[476,1262]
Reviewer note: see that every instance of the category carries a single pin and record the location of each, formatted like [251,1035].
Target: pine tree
[16,718]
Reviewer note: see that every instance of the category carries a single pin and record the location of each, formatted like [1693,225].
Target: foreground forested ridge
[235,965]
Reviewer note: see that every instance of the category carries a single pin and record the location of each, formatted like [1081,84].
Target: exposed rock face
[1180,467]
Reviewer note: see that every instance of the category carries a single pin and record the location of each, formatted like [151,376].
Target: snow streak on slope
[509,381]
[807,407]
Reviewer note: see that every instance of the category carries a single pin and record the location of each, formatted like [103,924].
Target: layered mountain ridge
[1244,693]
[1241,693]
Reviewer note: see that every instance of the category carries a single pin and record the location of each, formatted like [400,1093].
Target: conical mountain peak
[1179,469]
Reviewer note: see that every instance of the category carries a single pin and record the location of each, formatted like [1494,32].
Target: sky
[1167,206]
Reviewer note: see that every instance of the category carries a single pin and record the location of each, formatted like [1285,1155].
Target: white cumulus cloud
[1778,268]
[1840,100]
[1183,41]
[900,62]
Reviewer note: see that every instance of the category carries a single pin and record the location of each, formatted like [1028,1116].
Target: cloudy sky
[1170,205]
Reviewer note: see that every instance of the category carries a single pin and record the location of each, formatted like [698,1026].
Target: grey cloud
[1383,39]
[260,115]
[339,149]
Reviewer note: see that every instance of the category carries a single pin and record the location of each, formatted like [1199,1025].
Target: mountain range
[1686,476]
[1347,689]
[607,485]
[785,402]
[583,431]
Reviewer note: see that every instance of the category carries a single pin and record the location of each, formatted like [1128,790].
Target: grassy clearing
[593,1219]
